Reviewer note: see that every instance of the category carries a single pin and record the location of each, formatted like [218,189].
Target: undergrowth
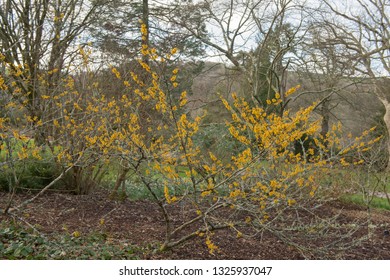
[17,242]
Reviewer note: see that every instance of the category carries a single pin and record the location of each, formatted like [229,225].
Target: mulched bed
[140,223]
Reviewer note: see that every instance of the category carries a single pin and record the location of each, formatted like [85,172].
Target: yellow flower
[300,182]
[144,29]
[292,90]
[116,72]
[291,202]
[343,162]
[166,194]
[205,193]
[211,246]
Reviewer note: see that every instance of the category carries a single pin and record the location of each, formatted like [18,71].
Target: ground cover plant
[19,243]
[274,184]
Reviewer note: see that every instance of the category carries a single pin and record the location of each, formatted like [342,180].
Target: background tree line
[96,88]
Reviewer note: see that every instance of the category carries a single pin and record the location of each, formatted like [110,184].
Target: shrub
[255,183]
[31,175]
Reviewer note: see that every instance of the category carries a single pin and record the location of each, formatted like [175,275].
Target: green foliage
[162,34]
[379,154]
[140,192]
[18,243]
[373,202]
[363,186]
[32,174]
[21,170]
[216,137]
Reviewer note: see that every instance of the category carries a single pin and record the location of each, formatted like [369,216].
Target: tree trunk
[386,119]
[119,181]
[145,20]
[325,114]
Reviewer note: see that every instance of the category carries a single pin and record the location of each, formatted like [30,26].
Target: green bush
[216,137]
[31,174]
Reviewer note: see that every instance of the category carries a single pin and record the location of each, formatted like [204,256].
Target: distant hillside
[353,105]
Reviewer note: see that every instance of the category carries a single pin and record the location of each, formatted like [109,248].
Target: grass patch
[362,181]
[359,199]
[387,187]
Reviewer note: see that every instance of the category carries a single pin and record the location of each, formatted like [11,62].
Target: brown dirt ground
[140,223]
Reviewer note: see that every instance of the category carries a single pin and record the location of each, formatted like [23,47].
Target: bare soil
[140,223]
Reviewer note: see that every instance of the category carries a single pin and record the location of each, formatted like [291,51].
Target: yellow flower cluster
[211,246]
[148,130]
[3,86]
[270,137]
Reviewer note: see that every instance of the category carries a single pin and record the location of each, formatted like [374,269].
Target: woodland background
[194,129]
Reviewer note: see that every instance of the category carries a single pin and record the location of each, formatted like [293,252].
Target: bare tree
[255,36]
[362,32]
[324,74]
[36,44]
